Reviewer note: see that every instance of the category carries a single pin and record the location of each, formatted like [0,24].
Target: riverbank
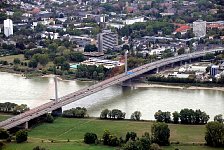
[156,85]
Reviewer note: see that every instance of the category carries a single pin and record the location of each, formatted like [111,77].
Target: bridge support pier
[127,83]
[189,61]
[172,65]
[26,125]
[157,70]
[181,63]
[57,112]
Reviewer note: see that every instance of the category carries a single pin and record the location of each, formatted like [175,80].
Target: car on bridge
[129,73]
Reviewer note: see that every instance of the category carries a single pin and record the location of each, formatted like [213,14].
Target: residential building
[214,70]
[8,27]
[199,28]
[82,41]
[107,40]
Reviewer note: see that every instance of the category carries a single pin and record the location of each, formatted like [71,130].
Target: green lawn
[74,129]
[4,117]
[57,146]
[189,147]
[12,57]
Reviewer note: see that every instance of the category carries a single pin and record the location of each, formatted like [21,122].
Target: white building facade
[8,27]
[199,28]
[134,20]
[107,40]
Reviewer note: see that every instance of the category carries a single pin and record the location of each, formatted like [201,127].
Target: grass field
[4,117]
[74,129]
[12,57]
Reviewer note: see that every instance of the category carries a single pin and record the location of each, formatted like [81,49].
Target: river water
[36,91]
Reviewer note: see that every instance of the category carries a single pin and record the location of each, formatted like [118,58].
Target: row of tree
[149,28]
[160,134]
[112,114]
[20,136]
[92,72]
[77,112]
[185,116]
[170,79]
[8,107]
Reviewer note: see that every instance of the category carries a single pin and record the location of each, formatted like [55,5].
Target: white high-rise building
[107,40]
[102,19]
[8,27]
[199,28]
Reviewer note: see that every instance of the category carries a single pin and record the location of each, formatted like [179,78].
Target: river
[36,91]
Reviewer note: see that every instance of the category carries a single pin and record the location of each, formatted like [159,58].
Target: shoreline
[137,84]
[154,85]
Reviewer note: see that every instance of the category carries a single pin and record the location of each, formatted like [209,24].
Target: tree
[154,146]
[39,148]
[53,47]
[160,133]
[104,114]
[178,35]
[65,66]
[1,145]
[43,59]
[40,27]
[90,138]
[77,112]
[145,141]
[218,118]
[130,136]
[90,48]
[106,137]
[189,116]
[142,143]
[181,51]
[214,134]
[49,118]
[176,117]
[16,61]
[76,57]
[113,140]
[186,116]
[133,145]
[21,136]
[117,114]
[162,116]
[136,115]
[209,56]
[59,60]
[125,47]
[4,134]
[20,109]
[32,63]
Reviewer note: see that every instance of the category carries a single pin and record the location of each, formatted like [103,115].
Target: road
[75,96]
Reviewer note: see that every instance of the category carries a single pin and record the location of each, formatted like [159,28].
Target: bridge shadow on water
[115,97]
